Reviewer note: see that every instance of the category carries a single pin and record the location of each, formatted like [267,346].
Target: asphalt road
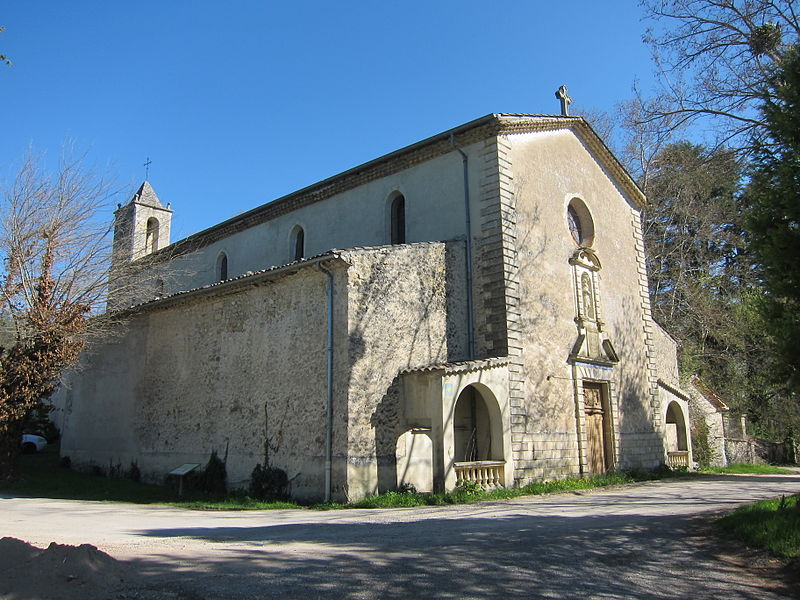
[647,541]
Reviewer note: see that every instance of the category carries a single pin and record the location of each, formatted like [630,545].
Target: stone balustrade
[489,474]
[678,458]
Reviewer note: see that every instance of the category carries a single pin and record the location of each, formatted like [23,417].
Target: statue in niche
[588,296]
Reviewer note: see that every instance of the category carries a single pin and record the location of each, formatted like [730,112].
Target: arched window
[151,235]
[222,266]
[580,224]
[398,220]
[298,243]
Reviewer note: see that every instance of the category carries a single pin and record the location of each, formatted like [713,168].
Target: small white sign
[184,469]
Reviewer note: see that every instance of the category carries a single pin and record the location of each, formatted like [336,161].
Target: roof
[709,395]
[437,145]
[674,390]
[244,278]
[461,367]
[146,195]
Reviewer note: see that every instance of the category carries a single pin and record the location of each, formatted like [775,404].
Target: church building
[470,308]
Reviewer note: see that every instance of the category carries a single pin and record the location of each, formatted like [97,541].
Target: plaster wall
[434,211]
[549,169]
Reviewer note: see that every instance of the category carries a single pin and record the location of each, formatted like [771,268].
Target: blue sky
[240,102]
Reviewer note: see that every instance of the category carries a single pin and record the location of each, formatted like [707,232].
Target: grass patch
[41,477]
[770,524]
[233,502]
[473,493]
[744,469]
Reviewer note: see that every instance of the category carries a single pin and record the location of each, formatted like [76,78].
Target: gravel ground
[646,541]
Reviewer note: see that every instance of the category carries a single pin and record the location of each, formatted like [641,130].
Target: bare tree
[3,57]
[714,59]
[56,249]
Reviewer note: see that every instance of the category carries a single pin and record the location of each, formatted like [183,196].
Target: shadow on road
[518,556]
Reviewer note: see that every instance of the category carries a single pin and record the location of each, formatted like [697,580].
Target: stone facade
[506,338]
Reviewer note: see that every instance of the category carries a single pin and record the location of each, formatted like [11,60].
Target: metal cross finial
[561,94]
[147,168]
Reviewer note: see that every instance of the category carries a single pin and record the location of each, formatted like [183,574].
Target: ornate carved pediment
[591,344]
[586,258]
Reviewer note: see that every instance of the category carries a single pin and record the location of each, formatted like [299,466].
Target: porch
[464,412]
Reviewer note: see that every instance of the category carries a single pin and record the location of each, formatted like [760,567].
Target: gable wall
[549,168]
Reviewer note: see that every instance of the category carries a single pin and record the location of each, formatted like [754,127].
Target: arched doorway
[477,438]
[414,455]
[676,436]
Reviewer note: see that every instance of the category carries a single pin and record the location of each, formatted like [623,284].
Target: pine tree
[773,198]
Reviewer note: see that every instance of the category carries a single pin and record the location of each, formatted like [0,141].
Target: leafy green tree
[704,289]
[694,240]
[773,198]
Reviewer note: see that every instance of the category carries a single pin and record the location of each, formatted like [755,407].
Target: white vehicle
[32,443]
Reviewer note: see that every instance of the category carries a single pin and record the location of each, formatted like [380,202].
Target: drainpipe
[470,317]
[329,400]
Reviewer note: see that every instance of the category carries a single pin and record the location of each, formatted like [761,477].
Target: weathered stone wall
[549,169]
[405,310]
[227,367]
[665,350]
[701,408]
[218,371]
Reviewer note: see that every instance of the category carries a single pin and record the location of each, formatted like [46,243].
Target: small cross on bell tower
[561,94]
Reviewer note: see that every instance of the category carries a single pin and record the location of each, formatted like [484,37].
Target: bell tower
[141,227]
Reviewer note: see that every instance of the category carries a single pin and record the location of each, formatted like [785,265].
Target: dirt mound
[60,572]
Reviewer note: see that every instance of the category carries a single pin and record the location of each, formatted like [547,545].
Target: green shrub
[268,483]
[702,450]
[213,479]
[133,473]
[468,488]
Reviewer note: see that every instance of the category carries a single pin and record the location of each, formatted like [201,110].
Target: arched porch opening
[676,436]
[478,437]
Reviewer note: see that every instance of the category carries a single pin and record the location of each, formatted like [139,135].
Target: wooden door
[596,446]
